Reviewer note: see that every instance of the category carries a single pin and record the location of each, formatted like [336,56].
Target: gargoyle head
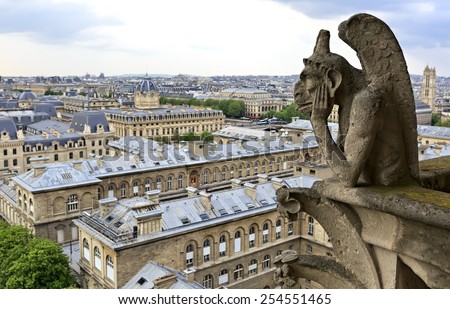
[287,207]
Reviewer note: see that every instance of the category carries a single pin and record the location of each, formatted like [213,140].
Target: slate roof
[8,125]
[91,118]
[144,278]
[55,175]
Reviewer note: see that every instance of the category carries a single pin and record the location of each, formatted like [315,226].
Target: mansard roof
[91,118]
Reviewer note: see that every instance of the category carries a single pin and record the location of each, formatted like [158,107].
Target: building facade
[257,102]
[138,167]
[222,239]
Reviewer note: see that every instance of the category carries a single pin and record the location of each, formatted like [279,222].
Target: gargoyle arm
[365,119]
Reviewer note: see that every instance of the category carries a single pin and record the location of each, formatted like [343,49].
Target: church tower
[428,92]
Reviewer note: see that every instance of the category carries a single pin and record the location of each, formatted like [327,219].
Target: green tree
[206,136]
[236,108]
[441,123]
[435,118]
[30,262]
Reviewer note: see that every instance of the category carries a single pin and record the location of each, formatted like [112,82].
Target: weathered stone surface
[377,142]
[387,231]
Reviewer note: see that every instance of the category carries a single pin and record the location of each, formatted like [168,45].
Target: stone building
[50,141]
[428,91]
[221,239]
[62,191]
[257,102]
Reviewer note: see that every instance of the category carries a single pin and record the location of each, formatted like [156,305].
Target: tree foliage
[230,108]
[286,113]
[28,262]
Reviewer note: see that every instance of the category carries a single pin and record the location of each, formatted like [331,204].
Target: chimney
[39,170]
[250,190]
[78,165]
[165,282]
[205,199]
[236,183]
[262,178]
[106,205]
[153,195]
[198,148]
[277,183]
[191,191]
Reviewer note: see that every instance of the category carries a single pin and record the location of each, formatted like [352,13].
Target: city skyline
[205,38]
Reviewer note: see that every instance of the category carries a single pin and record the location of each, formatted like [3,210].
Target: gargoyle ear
[334,79]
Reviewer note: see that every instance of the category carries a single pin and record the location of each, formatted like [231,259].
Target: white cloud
[201,37]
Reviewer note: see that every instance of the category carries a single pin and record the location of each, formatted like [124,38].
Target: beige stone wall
[171,252]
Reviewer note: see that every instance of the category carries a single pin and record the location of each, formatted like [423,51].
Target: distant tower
[428,92]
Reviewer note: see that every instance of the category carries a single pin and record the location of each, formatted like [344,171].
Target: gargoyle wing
[385,68]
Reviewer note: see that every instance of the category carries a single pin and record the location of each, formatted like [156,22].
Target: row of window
[98,261]
[238,272]
[238,242]
[169,183]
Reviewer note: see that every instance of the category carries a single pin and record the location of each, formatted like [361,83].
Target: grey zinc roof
[306,125]
[48,125]
[91,118]
[176,110]
[144,278]
[55,175]
[432,131]
[188,213]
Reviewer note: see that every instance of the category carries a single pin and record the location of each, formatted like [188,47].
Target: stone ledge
[409,202]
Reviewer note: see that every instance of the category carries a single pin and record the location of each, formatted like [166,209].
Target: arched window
[266,262]
[205,177]
[97,258]
[278,229]
[206,251]
[169,183]
[240,171]
[31,206]
[232,172]
[123,190]
[263,167]
[238,272]
[147,184]
[256,168]
[214,176]
[189,256]
[237,242]
[109,268]
[223,276]
[208,281]
[253,267]
[310,226]
[135,188]
[158,183]
[72,202]
[222,246]
[224,173]
[99,193]
[251,237]
[180,181]
[290,228]
[248,169]
[265,233]
[110,190]
[86,250]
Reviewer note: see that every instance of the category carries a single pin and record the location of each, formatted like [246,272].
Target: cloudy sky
[202,37]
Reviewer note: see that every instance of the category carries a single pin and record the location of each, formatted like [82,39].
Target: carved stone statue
[373,211]
[377,142]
